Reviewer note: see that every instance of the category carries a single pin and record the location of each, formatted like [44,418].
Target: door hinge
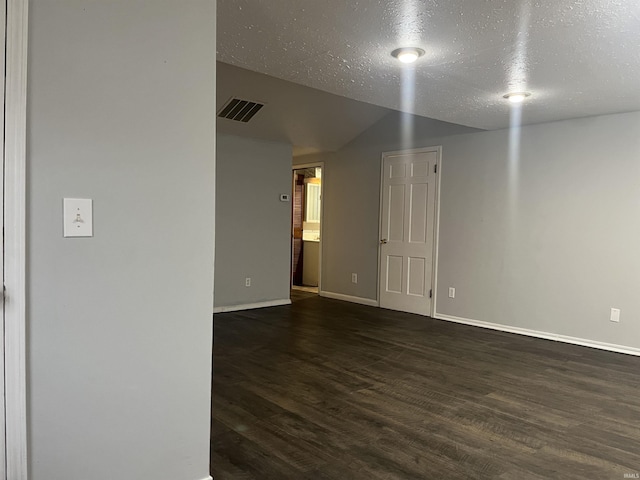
[431,293]
[435,168]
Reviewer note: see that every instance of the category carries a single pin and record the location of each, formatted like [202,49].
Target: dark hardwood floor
[324,389]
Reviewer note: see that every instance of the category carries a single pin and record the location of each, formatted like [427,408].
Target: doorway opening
[306,227]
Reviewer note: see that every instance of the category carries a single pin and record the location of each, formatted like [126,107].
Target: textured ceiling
[309,119]
[578,58]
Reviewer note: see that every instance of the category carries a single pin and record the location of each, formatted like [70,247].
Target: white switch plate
[452,292]
[354,278]
[78,217]
[615,315]
[247,282]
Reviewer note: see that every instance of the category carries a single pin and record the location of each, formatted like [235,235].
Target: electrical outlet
[452,292]
[354,278]
[247,282]
[615,315]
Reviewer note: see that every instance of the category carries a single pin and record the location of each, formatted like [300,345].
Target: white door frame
[300,167]
[436,224]
[15,112]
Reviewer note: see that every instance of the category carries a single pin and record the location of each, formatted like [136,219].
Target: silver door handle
[383,241]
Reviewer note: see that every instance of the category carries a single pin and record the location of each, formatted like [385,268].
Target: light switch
[78,217]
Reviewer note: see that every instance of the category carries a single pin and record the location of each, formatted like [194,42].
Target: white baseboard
[250,306]
[546,335]
[208,478]
[349,298]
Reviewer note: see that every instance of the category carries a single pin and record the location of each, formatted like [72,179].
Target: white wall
[253,227]
[547,242]
[121,110]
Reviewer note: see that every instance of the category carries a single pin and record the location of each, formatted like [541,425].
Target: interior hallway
[324,389]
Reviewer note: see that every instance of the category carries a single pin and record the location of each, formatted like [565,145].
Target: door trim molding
[15,239]
[436,222]
[436,234]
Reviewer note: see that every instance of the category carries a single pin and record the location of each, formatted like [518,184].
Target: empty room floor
[324,389]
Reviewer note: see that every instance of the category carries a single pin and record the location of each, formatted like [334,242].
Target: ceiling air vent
[240,110]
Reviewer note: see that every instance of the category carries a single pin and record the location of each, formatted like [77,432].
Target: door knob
[383,241]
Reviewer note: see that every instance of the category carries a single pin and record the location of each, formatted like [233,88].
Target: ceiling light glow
[517,97]
[407,54]
[408,57]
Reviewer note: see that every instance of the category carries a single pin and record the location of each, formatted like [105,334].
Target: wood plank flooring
[324,389]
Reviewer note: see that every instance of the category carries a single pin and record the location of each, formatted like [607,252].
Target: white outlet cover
[452,292]
[78,217]
[615,315]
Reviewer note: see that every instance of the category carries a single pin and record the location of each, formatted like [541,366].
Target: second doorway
[306,227]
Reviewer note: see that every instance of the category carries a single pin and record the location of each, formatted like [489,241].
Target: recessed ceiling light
[407,54]
[517,97]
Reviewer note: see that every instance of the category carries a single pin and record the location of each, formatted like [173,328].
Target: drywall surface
[539,227]
[579,57]
[292,113]
[121,110]
[253,227]
[351,189]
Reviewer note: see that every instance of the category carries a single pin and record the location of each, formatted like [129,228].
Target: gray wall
[253,227]
[294,113]
[121,110]
[546,242]
[351,188]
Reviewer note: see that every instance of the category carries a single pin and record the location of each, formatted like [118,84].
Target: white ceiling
[577,57]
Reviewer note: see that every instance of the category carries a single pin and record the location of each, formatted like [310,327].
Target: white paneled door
[409,182]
